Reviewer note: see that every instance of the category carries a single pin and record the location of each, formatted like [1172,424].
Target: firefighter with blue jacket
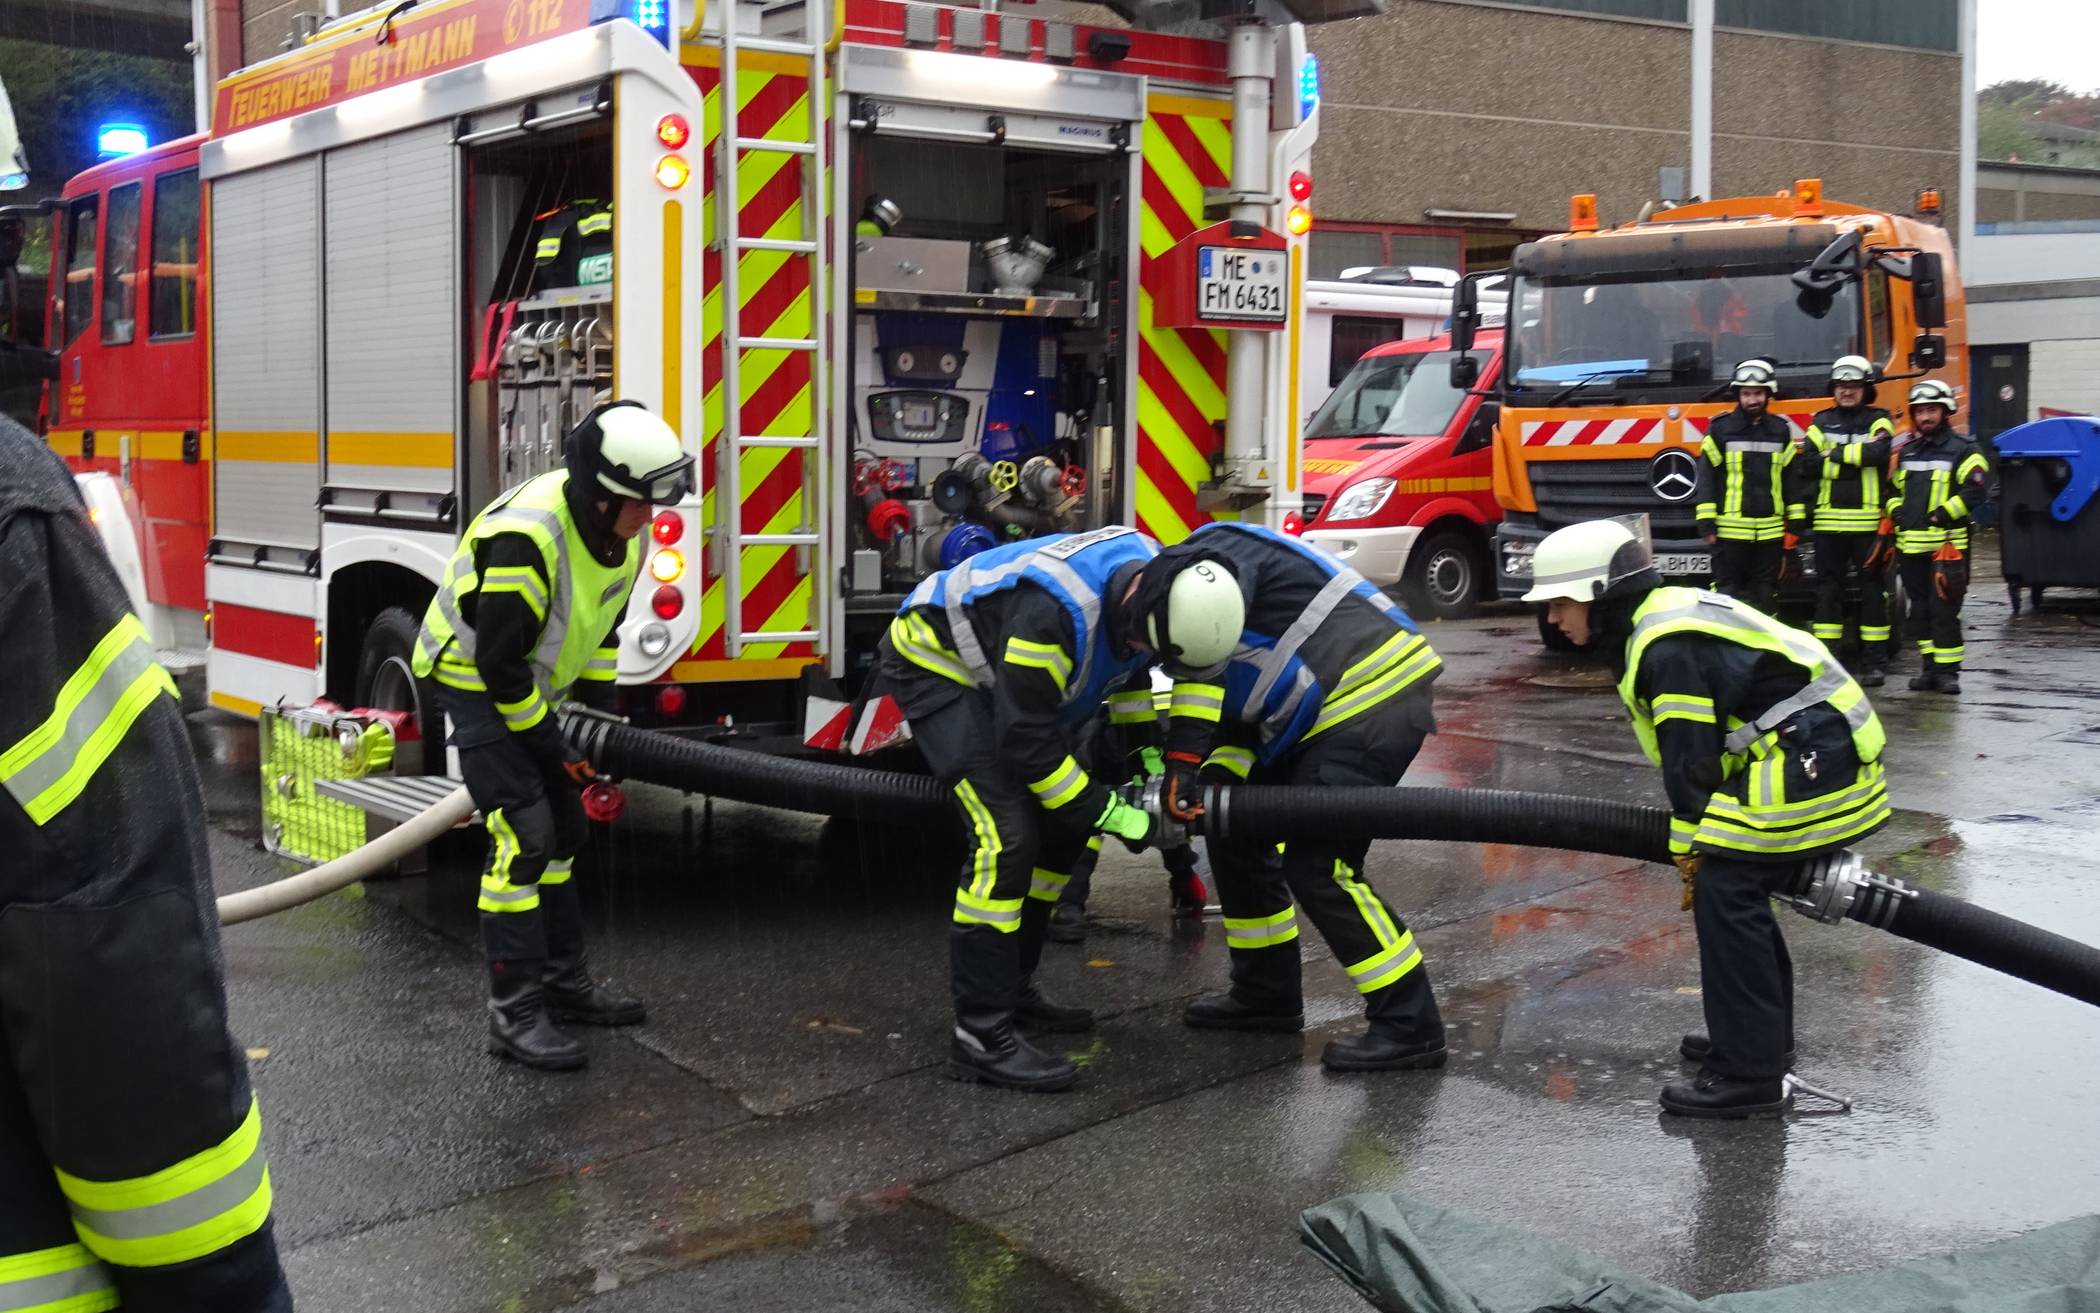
[999,664]
[1329,684]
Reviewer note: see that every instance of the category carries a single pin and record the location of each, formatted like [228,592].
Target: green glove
[1154,761]
[1133,825]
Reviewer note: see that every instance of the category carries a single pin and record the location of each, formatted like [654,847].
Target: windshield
[1678,331]
[1391,396]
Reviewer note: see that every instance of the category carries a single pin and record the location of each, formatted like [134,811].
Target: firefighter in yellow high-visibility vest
[131,1162]
[530,611]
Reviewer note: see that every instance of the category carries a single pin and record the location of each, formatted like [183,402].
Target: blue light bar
[652,16]
[114,139]
[1308,86]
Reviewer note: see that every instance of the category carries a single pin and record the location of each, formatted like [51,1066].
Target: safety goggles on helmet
[623,449]
[1755,374]
[1188,609]
[1932,392]
[1593,560]
[1851,369]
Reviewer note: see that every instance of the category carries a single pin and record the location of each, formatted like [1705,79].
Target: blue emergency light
[652,16]
[114,139]
[1308,86]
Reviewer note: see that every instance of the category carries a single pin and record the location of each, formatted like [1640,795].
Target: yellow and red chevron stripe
[1181,372]
[775,387]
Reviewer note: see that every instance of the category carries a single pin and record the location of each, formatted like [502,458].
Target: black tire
[1444,576]
[1555,640]
[387,682]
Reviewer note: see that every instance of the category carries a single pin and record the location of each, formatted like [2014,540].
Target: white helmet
[1756,374]
[1594,559]
[1932,392]
[1851,369]
[1196,625]
[623,449]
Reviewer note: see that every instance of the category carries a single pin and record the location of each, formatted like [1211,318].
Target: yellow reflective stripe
[196,1207]
[985,857]
[1387,965]
[1385,655]
[559,870]
[1367,904]
[547,248]
[1061,785]
[592,224]
[1002,914]
[1947,656]
[1682,706]
[64,1279]
[1239,761]
[51,765]
[1261,931]
[1682,832]
[458,675]
[498,894]
[1197,702]
[1046,884]
[1412,670]
[1046,657]
[917,643]
[522,580]
[526,712]
[1132,706]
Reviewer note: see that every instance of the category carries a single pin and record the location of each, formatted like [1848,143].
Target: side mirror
[1465,315]
[1834,266]
[1928,293]
[1480,430]
[1465,372]
[1928,352]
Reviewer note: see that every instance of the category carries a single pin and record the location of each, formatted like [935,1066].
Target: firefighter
[572,245]
[1848,455]
[1771,756]
[1744,511]
[998,665]
[1131,734]
[1937,481]
[528,614]
[1329,685]
[131,1166]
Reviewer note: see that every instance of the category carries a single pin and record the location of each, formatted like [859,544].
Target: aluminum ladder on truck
[807,245]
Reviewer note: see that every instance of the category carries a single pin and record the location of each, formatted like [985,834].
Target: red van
[1398,474]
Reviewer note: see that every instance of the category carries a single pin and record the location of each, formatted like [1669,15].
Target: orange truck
[1620,343]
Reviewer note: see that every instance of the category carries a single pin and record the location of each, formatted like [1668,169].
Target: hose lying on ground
[351,867]
[1830,889]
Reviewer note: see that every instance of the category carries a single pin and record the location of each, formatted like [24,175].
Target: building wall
[2065,375]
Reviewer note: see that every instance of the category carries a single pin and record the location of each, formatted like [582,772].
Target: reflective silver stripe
[1926,465]
[52,1287]
[197,1207]
[514,894]
[1784,840]
[1821,689]
[1279,720]
[608,664]
[1059,780]
[963,578]
[1813,807]
[1195,698]
[1567,576]
[1271,663]
[48,767]
[1763,448]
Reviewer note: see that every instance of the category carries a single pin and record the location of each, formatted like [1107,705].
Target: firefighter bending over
[131,1162]
[529,612]
[1771,756]
[998,665]
[1327,686]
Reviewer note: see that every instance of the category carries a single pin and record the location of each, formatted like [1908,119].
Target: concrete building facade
[2033,271]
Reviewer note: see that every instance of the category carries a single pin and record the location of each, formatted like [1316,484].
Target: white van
[1367,306]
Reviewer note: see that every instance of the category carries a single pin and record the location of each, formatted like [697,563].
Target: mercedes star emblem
[1674,475]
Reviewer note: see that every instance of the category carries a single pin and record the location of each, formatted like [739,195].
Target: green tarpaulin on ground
[1406,1256]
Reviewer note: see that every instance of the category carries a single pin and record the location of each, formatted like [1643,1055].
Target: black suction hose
[1830,889]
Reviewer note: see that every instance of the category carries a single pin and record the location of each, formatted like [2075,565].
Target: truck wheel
[1556,641]
[387,682]
[1443,576]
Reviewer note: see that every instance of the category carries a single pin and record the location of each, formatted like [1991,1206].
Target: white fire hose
[351,867]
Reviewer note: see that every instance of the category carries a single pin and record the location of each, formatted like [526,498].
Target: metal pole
[1702,99]
[1965,190]
[200,62]
[1252,64]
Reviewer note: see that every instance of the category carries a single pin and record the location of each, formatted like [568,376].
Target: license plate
[1238,284]
[1684,563]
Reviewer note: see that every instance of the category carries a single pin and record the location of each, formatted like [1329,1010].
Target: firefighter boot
[1034,1011]
[572,995]
[1726,1098]
[1874,665]
[519,1028]
[1067,924]
[1949,678]
[1265,994]
[1406,1031]
[985,972]
[1927,680]
[1695,1046]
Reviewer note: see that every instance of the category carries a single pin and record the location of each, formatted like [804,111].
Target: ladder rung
[776,540]
[776,344]
[802,48]
[777,147]
[781,636]
[776,244]
[764,440]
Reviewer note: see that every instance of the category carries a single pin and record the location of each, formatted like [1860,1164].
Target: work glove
[1184,796]
[578,771]
[1938,518]
[1133,825]
[1883,553]
[1950,572]
[1150,761]
[1688,872]
[1789,557]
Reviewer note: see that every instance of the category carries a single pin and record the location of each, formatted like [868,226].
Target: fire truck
[1621,341]
[910,280]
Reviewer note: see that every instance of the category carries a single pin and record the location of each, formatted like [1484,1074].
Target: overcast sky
[2055,40]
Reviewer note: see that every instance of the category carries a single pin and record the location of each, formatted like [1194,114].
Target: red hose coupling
[604,801]
[889,520]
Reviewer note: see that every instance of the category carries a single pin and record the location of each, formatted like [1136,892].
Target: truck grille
[1571,491]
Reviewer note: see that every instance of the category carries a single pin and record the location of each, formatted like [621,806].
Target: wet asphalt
[780,1135]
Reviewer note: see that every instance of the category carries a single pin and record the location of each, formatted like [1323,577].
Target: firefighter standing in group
[1938,480]
[1848,455]
[1771,756]
[1328,686]
[1744,510]
[131,1163]
[998,664]
[529,611]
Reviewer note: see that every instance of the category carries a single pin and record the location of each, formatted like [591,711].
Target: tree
[60,95]
[2022,89]
[2004,132]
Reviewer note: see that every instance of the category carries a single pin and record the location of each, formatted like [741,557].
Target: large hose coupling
[1838,886]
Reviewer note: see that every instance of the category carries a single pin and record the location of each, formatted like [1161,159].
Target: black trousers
[1746,977]
[1929,620]
[535,822]
[1021,858]
[1841,558]
[1748,571]
[1262,890]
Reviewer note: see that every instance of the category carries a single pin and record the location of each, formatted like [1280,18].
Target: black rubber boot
[1382,1050]
[1226,1012]
[985,1048]
[1067,924]
[1695,1046]
[572,995]
[1927,680]
[519,1028]
[1874,674]
[1039,1014]
[1725,1098]
[1949,678]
